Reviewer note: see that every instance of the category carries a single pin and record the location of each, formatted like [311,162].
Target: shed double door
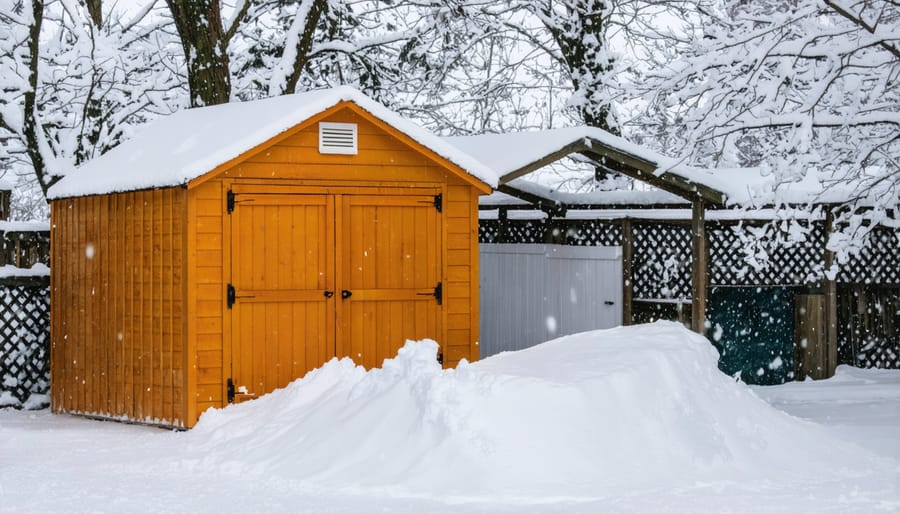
[316,276]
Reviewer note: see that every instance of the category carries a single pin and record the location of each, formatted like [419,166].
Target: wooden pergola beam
[645,171]
[547,205]
[569,149]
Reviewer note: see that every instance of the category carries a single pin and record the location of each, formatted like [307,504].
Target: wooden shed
[225,251]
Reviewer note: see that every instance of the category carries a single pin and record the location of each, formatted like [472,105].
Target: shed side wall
[117,304]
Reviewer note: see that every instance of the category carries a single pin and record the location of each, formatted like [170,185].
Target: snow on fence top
[24,226]
[176,149]
[37,270]
[509,153]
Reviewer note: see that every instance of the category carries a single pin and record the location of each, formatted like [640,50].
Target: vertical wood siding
[391,263]
[117,305]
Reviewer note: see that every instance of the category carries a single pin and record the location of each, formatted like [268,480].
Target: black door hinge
[230,391]
[438,293]
[230,295]
[439,202]
[229,200]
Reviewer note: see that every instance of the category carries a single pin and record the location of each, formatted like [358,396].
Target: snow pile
[629,407]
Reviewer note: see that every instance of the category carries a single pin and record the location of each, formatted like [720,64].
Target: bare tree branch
[858,21]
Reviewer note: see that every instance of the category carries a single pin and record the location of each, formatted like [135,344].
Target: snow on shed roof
[511,153]
[176,149]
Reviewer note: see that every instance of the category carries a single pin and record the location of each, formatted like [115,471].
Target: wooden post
[830,359]
[5,196]
[699,267]
[627,272]
[809,336]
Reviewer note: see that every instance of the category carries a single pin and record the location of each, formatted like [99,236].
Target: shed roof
[513,155]
[176,149]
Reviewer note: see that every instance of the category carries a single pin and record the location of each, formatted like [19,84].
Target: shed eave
[53,198]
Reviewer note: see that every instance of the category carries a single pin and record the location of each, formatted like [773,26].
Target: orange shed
[225,251]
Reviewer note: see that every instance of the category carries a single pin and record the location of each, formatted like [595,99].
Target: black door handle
[346,294]
[328,294]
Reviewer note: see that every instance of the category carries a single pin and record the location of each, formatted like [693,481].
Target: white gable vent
[337,138]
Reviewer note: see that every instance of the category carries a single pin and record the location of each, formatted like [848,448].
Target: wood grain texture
[118,307]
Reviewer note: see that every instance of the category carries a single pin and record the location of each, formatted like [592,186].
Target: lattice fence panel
[531,231]
[24,345]
[593,233]
[512,231]
[768,262]
[877,263]
[662,261]
[574,233]
[489,231]
[662,264]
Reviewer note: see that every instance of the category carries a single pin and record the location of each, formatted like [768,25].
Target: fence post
[830,341]
[5,195]
[699,267]
[627,272]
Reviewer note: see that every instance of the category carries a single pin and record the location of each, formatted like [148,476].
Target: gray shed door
[534,293]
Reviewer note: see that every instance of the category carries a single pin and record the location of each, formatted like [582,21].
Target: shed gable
[383,152]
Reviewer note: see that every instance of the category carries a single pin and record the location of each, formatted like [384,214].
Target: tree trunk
[581,37]
[95,9]
[580,34]
[304,43]
[31,129]
[199,24]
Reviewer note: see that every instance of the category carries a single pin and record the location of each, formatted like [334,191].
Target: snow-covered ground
[634,419]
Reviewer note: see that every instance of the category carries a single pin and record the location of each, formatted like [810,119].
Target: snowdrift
[578,417]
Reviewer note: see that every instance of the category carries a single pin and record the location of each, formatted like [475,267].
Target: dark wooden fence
[869,325]
[868,285]
[25,245]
